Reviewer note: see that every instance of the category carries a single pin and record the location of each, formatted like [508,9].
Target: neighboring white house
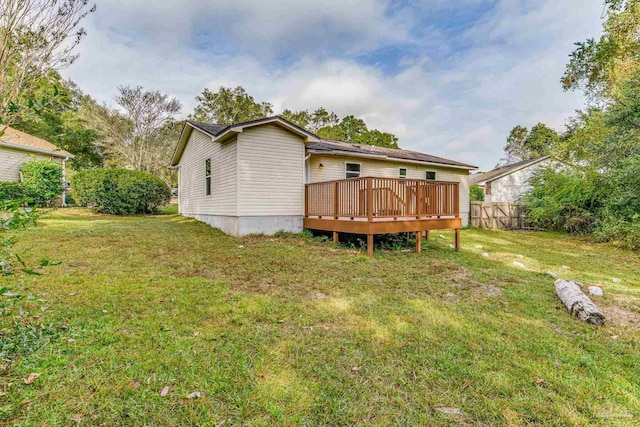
[508,183]
[250,177]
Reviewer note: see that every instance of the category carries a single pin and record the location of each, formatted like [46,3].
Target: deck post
[418,242]
[457,239]
[370,245]
[426,234]
[418,206]
[335,200]
[369,198]
[335,238]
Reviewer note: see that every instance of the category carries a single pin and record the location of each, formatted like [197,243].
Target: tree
[476,193]
[229,106]
[35,37]
[523,144]
[300,118]
[600,67]
[59,122]
[351,129]
[143,135]
[320,118]
[584,139]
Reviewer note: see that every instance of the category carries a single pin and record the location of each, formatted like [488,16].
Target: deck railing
[382,198]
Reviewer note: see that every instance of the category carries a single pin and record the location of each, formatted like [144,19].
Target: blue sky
[448,78]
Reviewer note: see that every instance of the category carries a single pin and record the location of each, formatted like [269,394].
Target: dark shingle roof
[336,147]
[505,170]
[211,129]
[340,147]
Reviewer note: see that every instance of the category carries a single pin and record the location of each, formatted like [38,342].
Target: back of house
[250,177]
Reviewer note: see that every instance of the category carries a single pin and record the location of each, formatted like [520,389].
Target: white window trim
[406,173]
[435,175]
[352,163]
[210,176]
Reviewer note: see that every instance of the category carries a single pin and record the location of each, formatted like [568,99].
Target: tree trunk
[570,293]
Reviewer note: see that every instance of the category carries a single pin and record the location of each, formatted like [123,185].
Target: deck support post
[370,245]
[418,242]
[335,238]
[426,234]
[457,239]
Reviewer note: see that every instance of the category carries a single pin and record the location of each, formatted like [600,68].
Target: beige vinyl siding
[334,168]
[191,185]
[11,161]
[270,172]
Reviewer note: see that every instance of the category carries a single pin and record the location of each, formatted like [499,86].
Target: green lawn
[293,331]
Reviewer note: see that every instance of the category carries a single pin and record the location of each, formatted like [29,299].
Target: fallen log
[570,293]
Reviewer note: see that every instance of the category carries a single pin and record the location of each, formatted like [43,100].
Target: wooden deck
[373,206]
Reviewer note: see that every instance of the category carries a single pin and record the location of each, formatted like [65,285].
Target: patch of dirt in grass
[622,317]
[470,288]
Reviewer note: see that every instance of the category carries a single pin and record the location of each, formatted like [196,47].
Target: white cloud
[500,72]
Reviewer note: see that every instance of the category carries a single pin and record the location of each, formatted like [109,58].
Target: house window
[431,175]
[402,172]
[487,188]
[352,170]
[207,176]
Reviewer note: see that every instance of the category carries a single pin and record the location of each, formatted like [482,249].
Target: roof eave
[510,171]
[388,158]
[61,153]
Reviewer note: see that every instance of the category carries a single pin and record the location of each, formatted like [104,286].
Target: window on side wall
[207,176]
[487,188]
[352,170]
[431,175]
[402,172]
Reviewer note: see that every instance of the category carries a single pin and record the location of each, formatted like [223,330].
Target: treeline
[594,188]
[140,131]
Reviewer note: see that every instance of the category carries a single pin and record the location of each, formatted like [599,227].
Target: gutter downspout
[305,165]
[64,182]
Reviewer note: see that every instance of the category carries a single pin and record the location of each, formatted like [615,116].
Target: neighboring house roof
[317,144]
[371,151]
[492,175]
[13,138]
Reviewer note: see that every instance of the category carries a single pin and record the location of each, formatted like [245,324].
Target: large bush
[42,180]
[12,191]
[120,191]
[564,201]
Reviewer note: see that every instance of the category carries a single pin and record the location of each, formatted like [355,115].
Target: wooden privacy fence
[498,215]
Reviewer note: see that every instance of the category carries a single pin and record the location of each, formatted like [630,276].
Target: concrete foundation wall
[241,226]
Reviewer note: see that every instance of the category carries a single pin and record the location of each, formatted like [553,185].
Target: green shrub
[120,191]
[565,201]
[43,180]
[476,193]
[12,191]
